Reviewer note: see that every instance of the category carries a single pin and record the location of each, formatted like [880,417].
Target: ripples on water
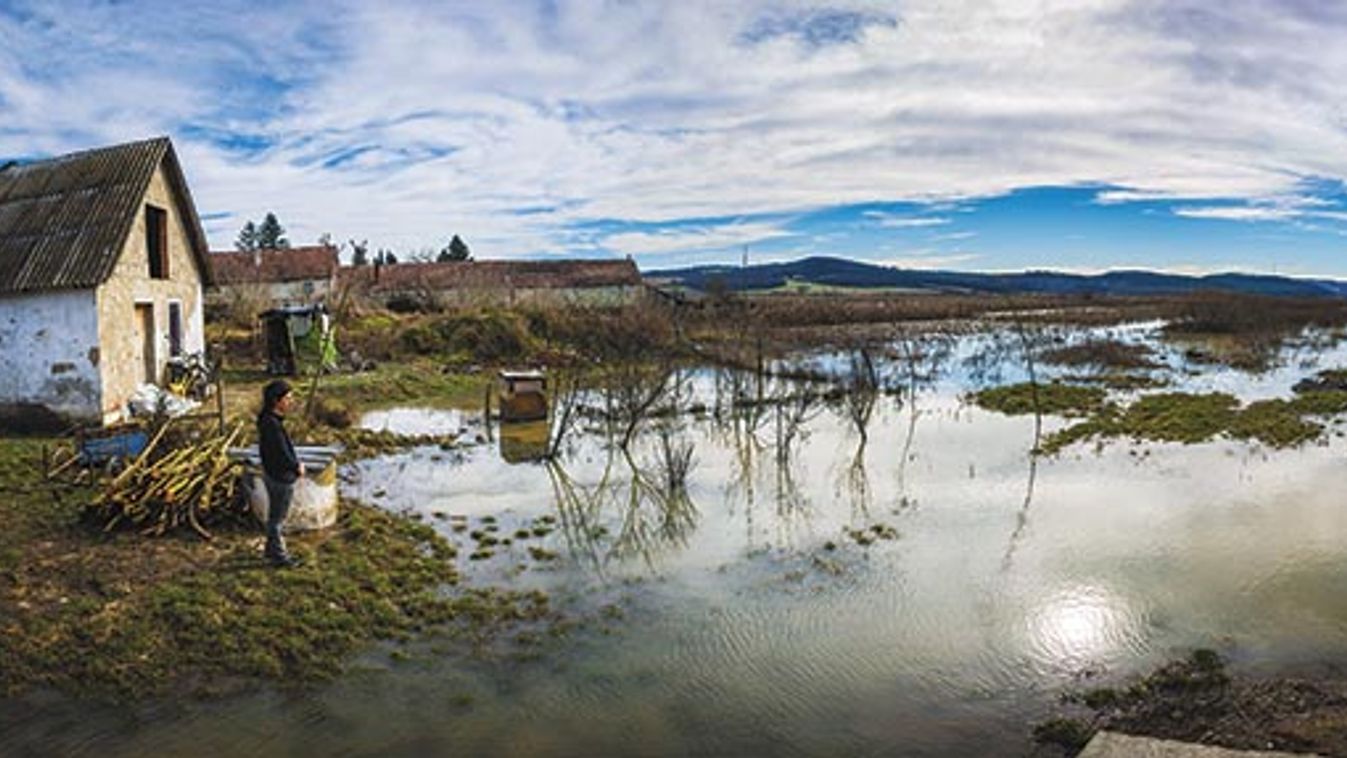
[756,623]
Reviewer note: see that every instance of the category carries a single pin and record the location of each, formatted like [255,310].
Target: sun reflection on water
[1083,624]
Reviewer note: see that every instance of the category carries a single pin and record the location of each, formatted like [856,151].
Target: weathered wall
[130,284]
[51,356]
[588,296]
[606,297]
[272,294]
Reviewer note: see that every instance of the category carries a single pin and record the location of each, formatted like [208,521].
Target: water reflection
[637,508]
[526,442]
[769,630]
[1082,624]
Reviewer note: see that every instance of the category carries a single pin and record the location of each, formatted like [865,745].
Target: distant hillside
[838,272]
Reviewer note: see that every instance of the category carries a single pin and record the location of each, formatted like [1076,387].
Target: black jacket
[278,453]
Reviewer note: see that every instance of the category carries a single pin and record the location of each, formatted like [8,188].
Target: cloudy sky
[971,134]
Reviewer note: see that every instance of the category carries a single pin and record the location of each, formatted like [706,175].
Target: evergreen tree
[247,241]
[359,253]
[389,258]
[458,250]
[271,235]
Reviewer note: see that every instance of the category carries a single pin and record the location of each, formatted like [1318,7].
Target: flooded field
[771,566]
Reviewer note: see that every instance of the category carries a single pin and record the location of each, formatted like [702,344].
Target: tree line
[270,235]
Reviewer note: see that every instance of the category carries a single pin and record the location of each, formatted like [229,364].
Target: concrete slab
[1116,745]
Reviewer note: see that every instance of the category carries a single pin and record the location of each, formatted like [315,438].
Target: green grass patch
[1276,423]
[1179,416]
[125,617]
[1054,399]
[1192,418]
[1320,402]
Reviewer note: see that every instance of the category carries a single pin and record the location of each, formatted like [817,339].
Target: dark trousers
[279,495]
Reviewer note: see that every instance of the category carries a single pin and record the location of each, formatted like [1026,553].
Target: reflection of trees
[657,512]
[1022,515]
[1027,341]
[792,415]
[645,499]
[647,504]
[860,389]
[567,389]
[769,415]
[921,359]
[857,392]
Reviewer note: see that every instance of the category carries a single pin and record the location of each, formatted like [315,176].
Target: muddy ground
[1196,700]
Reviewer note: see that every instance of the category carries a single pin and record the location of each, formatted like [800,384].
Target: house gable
[64,221]
[131,292]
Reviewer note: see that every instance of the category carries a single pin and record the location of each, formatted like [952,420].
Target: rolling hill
[840,272]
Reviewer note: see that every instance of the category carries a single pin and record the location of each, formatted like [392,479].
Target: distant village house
[273,278]
[102,266]
[497,282]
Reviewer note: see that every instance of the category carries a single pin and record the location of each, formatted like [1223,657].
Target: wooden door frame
[149,347]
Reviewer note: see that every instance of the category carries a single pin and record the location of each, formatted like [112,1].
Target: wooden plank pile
[190,485]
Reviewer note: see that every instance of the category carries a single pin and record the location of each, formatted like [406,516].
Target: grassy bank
[127,617]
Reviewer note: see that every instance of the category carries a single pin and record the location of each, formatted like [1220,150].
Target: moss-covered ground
[127,617]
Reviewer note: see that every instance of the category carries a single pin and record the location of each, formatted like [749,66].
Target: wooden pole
[219,394]
[486,411]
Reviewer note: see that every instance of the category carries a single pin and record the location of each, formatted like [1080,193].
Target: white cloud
[924,262]
[953,236]
[664,111]
[1283,208]
[1236,213]
[691,239]
[896,221]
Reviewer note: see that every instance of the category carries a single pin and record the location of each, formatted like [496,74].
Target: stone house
[499,282]
[273,278]
[102,263]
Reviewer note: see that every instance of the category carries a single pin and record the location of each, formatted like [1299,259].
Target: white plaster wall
[49,352]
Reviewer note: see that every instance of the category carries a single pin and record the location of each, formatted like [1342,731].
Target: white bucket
[314,505]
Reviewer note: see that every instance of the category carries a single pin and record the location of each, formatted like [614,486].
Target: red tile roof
[566,274]
[286,265]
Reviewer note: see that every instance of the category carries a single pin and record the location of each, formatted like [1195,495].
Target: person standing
[281,468]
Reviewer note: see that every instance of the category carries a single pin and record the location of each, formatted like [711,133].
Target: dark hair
[273,392]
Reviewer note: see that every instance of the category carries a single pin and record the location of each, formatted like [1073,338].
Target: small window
[175,329]
[156,241]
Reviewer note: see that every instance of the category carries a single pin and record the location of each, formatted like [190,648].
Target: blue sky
[972,134]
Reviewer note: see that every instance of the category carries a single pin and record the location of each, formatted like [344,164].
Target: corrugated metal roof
[64,220]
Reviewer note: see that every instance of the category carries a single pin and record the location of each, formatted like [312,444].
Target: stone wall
[271,294]
[130,284]
[50,344]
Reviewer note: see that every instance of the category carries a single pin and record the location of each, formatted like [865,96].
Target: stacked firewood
[191,484]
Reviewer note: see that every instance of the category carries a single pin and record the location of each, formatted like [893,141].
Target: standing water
[779,572]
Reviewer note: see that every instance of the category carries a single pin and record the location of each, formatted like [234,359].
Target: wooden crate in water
[523,396]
